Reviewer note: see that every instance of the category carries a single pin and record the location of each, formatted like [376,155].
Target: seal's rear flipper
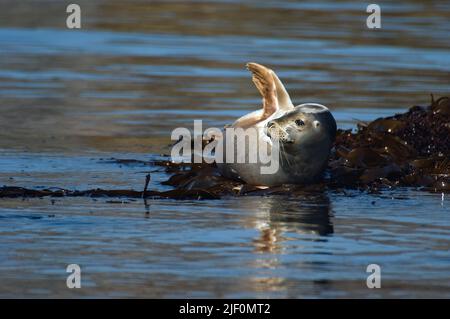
[275,96]
[284,100]
[259,71]
[265,83]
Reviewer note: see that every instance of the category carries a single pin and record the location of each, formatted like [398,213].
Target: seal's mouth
[274,131]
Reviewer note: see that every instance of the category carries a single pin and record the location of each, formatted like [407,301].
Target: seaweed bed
[410,149]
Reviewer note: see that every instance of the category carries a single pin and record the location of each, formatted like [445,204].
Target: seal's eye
[299,122]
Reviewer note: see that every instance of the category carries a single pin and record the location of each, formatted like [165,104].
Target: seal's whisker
[283,151]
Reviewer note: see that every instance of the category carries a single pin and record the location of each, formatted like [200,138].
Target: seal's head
[305,126]
[305,136]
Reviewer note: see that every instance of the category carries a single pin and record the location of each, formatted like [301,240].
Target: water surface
[71,99]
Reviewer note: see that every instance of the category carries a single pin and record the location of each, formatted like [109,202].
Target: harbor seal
[305,135]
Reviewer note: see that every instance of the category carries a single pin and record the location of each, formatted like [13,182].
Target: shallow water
[72,99]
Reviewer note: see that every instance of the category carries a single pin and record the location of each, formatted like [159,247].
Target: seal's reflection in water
[289,227]
[306,215]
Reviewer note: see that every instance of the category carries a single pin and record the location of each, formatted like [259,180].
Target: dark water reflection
[311,214]
[137,70]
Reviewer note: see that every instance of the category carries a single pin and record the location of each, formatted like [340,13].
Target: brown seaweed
[13,192]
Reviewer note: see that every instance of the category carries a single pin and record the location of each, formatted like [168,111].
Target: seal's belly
[272,169]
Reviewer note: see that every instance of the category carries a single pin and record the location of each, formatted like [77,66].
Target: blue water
[70,100]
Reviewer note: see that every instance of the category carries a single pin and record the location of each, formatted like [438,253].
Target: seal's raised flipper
[283,98]
[265,83]
[275,96]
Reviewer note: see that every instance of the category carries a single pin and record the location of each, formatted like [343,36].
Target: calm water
[136,70]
